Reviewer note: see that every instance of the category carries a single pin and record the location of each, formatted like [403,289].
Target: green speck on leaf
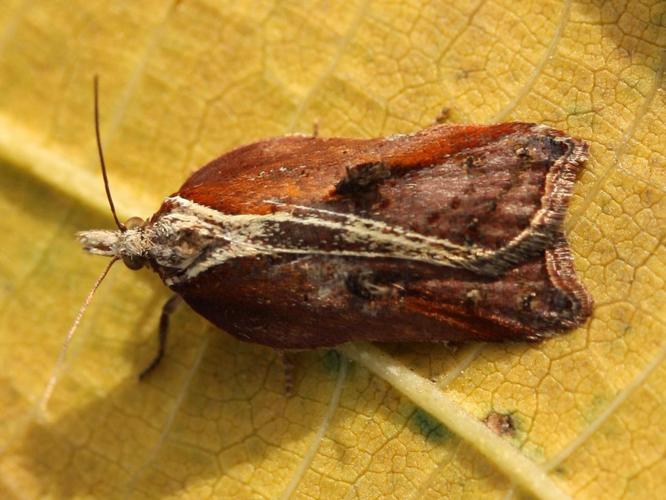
[560,470]
[332,361]
[428,426]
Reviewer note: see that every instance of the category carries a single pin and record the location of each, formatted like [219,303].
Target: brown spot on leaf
[500,423]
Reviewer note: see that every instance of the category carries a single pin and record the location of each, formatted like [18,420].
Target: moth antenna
[68,338]
[102,163]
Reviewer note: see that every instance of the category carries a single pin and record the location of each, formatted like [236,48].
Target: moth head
[126,244]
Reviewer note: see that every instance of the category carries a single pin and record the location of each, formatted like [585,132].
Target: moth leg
[363,284]
[289,367]
[443,116]
[315,128]
[167,310]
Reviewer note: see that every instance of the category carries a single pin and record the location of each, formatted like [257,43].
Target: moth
[452,233]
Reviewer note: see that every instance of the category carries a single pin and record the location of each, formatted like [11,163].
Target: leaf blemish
[331,361]
[501,424]
[429,427]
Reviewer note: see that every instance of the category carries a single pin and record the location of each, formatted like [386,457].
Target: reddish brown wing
[475,185]
[305,170]
[314,302]
[460,182]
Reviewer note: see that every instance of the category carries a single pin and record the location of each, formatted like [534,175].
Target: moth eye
[134,222]
[134,262]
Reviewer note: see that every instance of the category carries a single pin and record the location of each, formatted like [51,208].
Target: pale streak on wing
[243,236]
[543,230]
[252,234]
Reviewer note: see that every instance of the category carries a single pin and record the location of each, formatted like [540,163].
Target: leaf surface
[579,415]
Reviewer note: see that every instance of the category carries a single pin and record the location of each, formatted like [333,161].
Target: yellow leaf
[181,83]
